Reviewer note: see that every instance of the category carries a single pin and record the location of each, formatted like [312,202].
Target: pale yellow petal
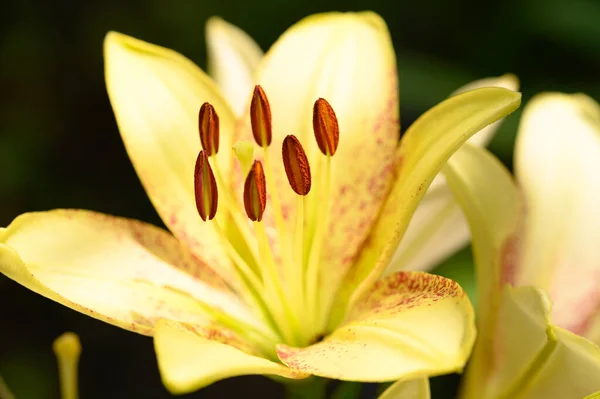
[156,94]
[507,81]
[348,59]
[572,371]
[408,389]
[557,159]
[409,325]
[425,148]
[490,201]
[438,228]
[189,359]
[121,271]
[233,56]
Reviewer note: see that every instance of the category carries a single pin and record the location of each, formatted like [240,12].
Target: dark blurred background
[59,144]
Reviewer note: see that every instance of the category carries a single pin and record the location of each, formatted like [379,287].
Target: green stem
[310,388]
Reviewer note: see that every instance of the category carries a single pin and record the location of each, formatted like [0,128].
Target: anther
[260,117]
[325,126]
[296,165]
[205,188]
[208,125]
[255,192]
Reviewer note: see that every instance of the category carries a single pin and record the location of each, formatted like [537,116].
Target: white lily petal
[557,163]
[232,59]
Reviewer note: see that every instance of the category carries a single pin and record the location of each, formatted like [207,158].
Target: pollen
[205,188]
[325,126]
[255,192]
[208,126]
[260,117]
[296,165]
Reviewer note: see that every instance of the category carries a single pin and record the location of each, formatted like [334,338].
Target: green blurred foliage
[59,145]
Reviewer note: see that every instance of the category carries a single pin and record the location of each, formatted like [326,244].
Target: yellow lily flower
[297,292]
[540,238]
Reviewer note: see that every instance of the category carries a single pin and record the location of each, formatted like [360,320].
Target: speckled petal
[424,149]
[347,59]
[156,95]
[232,60]
[557,159]
[409,325]
[190,358]
[438,227]
[120,271]
[408,389]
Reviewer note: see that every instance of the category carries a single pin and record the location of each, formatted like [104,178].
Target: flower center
[278,266]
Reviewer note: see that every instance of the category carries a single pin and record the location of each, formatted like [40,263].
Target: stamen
[260,117]
[205,188]
[327,134]
[255,192]
[325,125]
[67,349]
[208,126]
[296,165]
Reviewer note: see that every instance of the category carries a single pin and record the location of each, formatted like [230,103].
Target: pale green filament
[235,211]
[254,288]
[314,258]
[273,289]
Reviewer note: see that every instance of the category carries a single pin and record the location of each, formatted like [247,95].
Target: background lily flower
[217,310]
[541,239]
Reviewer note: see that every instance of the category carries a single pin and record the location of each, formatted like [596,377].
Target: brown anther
[255,192]
[260,117]
[208,125]
[325,125]
[205,188]
[296,165]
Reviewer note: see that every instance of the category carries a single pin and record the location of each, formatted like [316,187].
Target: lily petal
[507,81]
[348,59]
[189,358]
[410,325]
[121,271]
[232,59]
[424,149]
[436,230]
[557,159]
[490,201]
[438,227]
[156,94]
[408,389]
[533,358]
